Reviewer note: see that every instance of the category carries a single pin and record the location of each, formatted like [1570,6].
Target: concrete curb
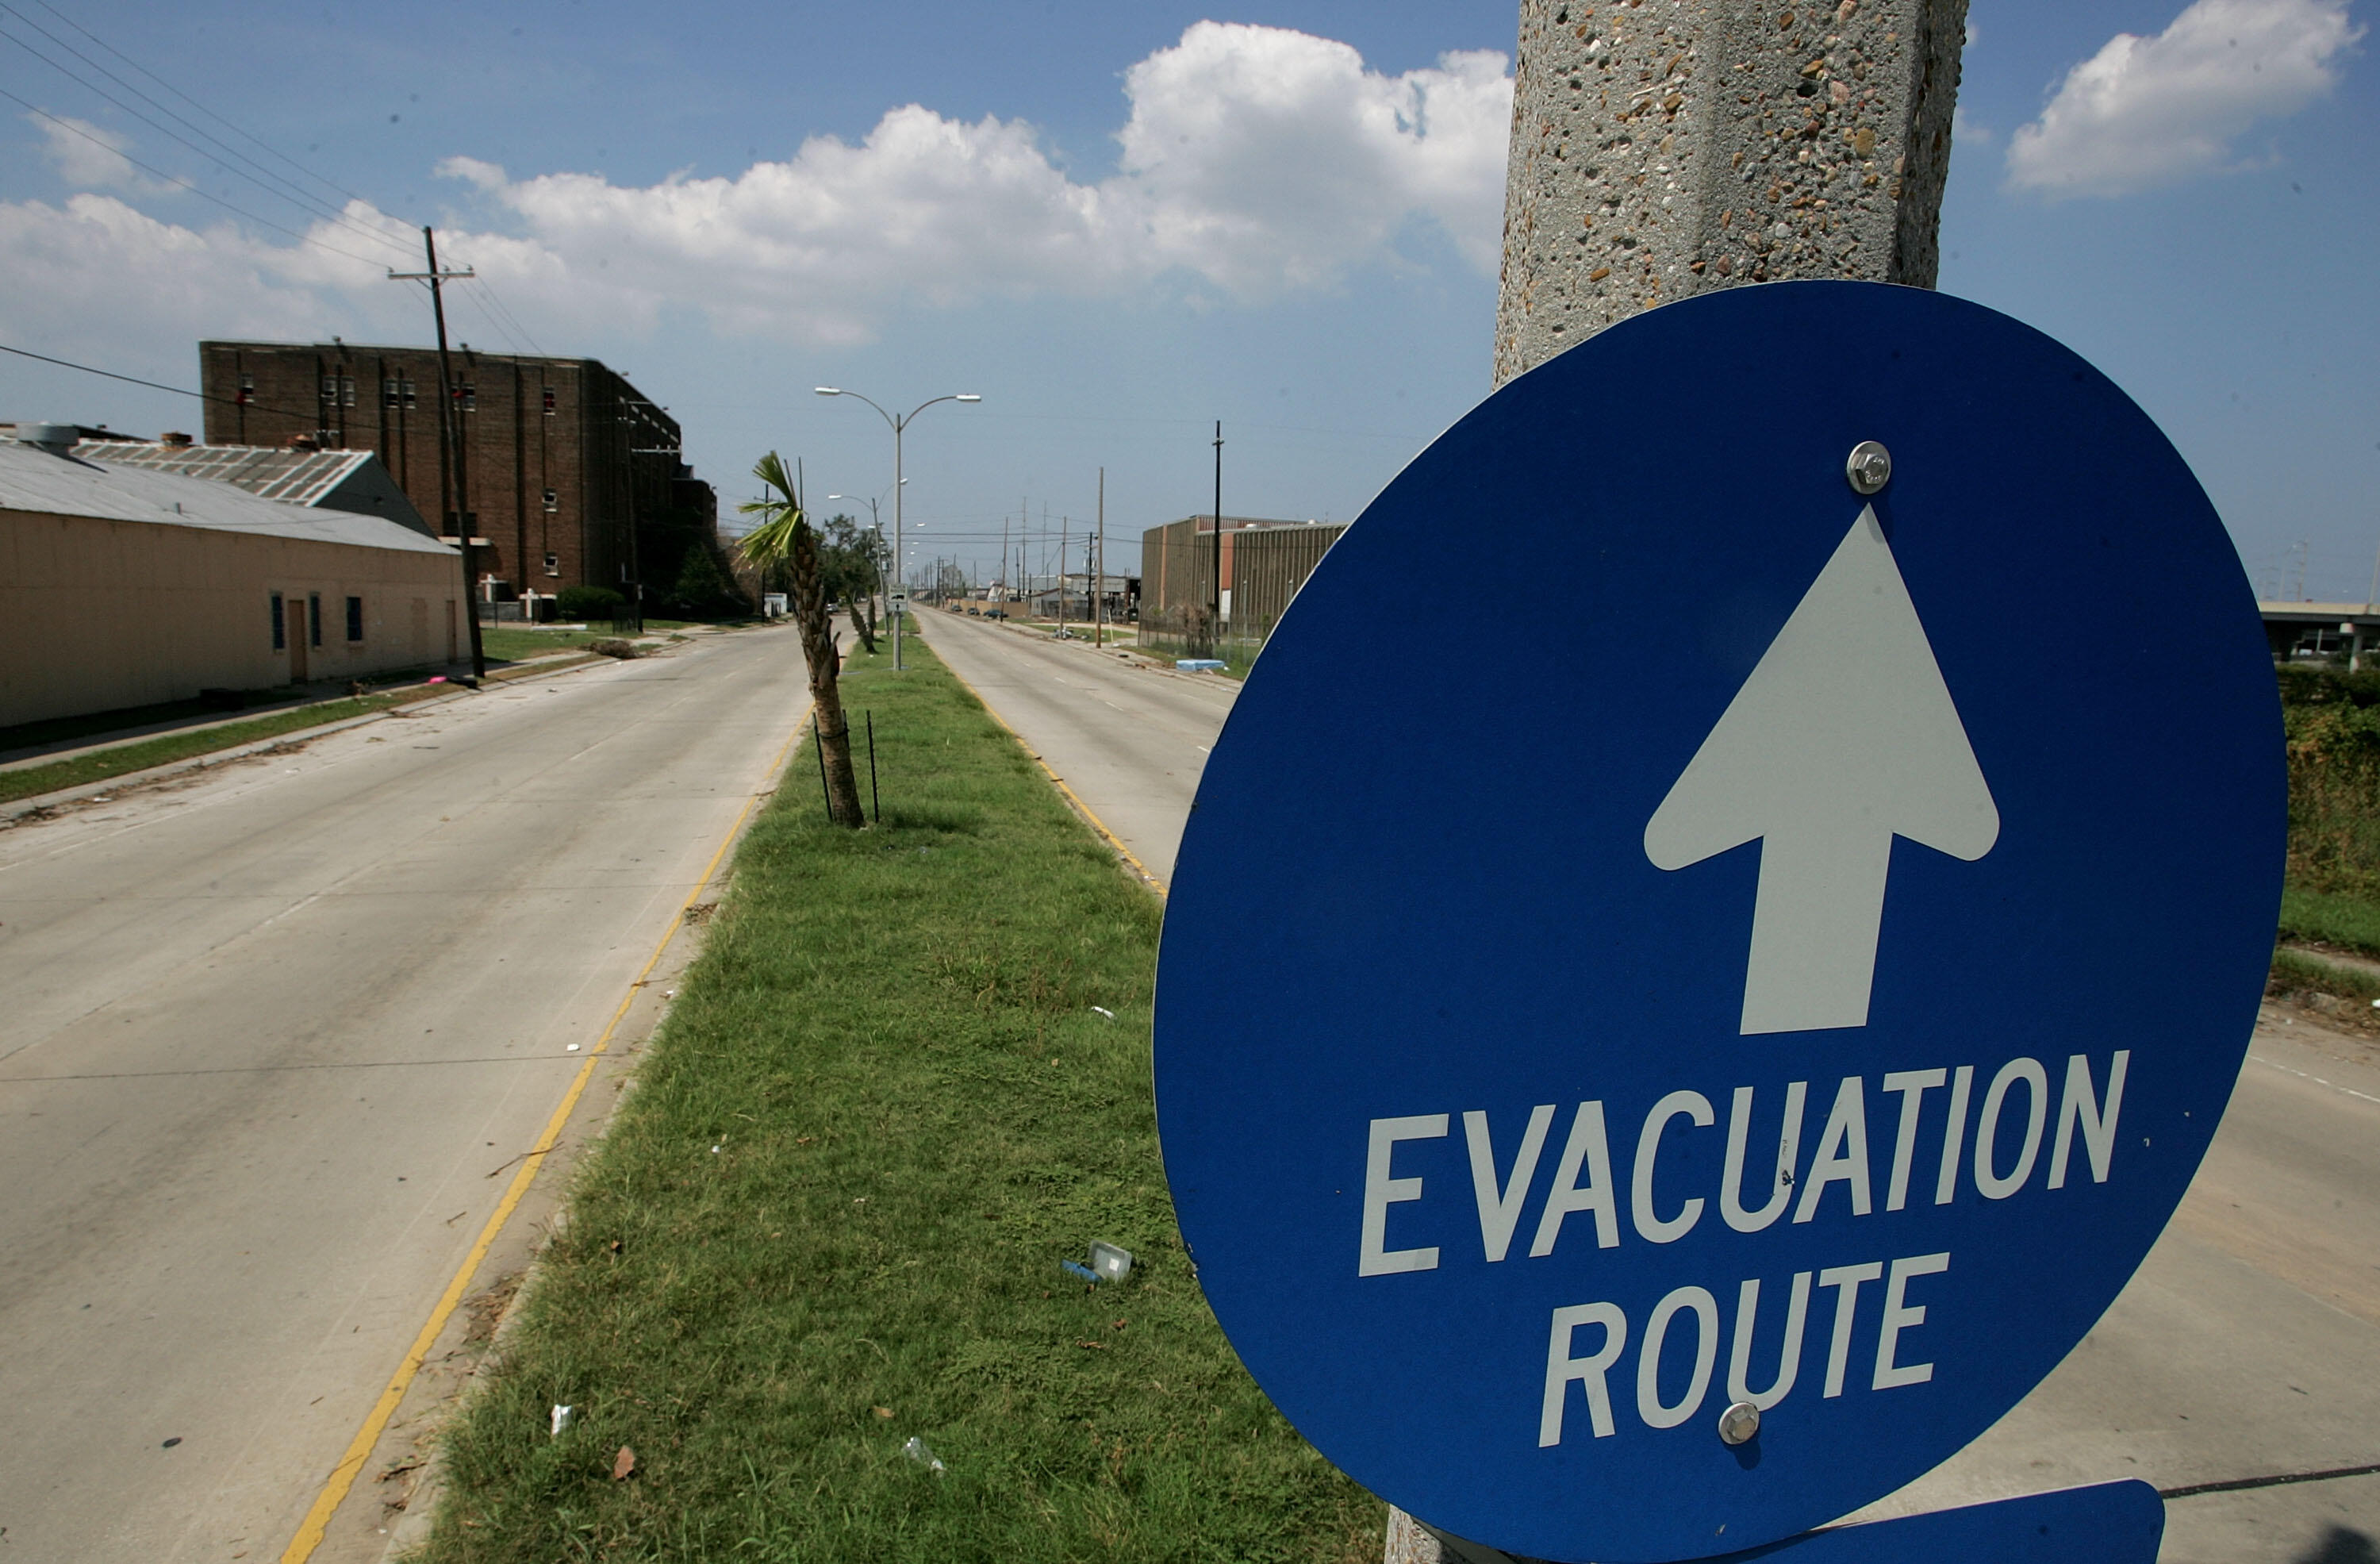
[11,813]
[42,802]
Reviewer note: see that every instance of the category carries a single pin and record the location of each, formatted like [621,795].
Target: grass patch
[2295,972]
[831,1217]
[167,748]
[2351,922]
[512,643]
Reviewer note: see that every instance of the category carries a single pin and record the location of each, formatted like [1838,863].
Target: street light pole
[899,426]
[875,554]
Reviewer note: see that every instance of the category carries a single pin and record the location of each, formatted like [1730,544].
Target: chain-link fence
[1192,632]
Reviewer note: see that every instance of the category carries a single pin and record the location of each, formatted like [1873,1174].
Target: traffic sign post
[1729,1049]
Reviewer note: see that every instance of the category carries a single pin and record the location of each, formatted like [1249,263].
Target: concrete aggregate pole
[1661,148]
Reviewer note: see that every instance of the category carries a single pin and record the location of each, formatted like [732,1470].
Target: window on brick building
[355,618]
[553,564]
[346,391]
[549,401]
[389,392]
[467,396]
[313,619]
[247,389]
[329,388]
[553,499]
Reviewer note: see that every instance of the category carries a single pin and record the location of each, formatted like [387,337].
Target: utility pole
[1099,580]
[1216,607]
[453,487]
[1062,578]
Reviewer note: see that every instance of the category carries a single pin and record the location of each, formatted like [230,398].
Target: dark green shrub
[590,602]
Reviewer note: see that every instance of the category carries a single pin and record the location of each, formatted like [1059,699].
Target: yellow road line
[1080,807]
[343,1476]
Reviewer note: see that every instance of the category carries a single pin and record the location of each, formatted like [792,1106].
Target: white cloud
[97,266]
[91,156]
[1265,159]
[2144,112]
[1257,160]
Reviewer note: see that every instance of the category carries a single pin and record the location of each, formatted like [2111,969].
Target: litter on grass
[915,1450]
[1076,1268]
[562,1416]
[1111,1262]
[1105,1011]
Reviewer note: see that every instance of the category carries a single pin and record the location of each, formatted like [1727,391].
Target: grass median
[906,1079]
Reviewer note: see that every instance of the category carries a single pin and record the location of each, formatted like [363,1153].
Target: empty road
[2247,1348]
[266,1034]
[1129,738]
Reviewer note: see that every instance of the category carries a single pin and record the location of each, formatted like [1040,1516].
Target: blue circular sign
[1691,931]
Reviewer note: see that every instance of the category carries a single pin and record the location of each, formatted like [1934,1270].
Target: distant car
[995,613]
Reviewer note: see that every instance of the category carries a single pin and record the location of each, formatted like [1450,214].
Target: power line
[497,300]
[329,184]
[202,195]
[260,143]
[310,205]
[489,315]
[154,385]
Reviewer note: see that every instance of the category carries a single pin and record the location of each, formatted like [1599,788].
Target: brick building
[572,475]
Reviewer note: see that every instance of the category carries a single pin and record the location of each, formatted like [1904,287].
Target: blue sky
[1119,223]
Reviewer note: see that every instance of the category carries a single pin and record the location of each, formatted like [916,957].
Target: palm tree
[785,536]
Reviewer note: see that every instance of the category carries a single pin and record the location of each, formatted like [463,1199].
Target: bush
[590,602]
[703,591]
[2326,684]
[2333,749]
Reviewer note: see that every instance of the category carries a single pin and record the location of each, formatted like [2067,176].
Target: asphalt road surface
[1129,738]
[2247,1348]
[265,1035]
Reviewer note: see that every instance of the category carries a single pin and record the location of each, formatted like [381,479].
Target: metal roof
[94,484]
[292,477]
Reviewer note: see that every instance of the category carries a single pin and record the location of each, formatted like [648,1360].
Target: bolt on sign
[1729,1049]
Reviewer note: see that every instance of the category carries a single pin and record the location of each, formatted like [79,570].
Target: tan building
[1264,563]
[124,587]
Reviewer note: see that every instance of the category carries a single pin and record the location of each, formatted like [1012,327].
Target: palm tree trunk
[817,648]
[866,636]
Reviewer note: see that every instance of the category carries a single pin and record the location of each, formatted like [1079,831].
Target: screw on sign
[1718,1115]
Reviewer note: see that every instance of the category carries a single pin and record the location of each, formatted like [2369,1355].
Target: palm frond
[772,541]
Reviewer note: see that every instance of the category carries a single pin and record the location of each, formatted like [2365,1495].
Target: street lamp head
[828,390]
[970,396]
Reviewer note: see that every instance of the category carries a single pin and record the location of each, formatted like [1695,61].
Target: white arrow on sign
[1843,738]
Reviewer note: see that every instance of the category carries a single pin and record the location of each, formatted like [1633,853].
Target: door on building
[418,624]
[293,631]
[451,653]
